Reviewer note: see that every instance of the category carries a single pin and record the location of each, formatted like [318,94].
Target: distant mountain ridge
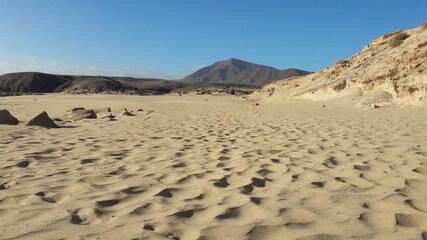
[36,82]
[235,70]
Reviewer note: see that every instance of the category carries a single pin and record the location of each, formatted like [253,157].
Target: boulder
[7,118]
[81,113]
[42,120]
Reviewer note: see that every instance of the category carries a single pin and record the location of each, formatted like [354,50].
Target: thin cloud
[31,64]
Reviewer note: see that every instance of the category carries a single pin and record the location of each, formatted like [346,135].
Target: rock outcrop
[392,69]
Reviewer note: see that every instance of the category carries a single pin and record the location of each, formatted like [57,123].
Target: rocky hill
[238,71]
[392,69]
[35,82]
[32,82]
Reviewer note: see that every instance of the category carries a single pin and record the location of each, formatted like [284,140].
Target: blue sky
[173,38]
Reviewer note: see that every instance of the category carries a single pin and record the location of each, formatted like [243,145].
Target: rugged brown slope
[238,71]
[392,69]
[46,83]
[32,82]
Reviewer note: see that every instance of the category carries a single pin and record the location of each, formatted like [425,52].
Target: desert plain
[213,167]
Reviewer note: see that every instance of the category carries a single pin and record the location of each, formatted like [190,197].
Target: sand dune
[212,167]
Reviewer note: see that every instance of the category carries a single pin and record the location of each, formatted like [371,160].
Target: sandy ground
[213,167]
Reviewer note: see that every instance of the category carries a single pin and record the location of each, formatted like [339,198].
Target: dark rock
[7,118]
[42,120]
[126,113]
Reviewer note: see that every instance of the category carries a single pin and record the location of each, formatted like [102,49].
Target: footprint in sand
[184,214]
[229,213]
[256,200]
[179,165]
[318,184]
[88,160]
[167,193]
[264,172]
[258,182]
[23,164]
[108,203]
[248,188]
[361,167]
[7,185]
[275,160]
[86,216]
[148,227]
[222,183]
[411,220]
[133,190]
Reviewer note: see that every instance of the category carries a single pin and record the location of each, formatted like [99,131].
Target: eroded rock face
[7,118]
[42,120]
[381,74]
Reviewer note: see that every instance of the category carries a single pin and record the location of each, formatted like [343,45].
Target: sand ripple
[216,169]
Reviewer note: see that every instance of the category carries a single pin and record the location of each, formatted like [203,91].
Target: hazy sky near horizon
[173,38]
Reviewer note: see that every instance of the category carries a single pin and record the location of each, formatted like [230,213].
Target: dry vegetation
[397,39]
[391,34]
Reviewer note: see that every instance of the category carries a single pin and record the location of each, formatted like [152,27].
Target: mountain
[35,82]
[238,71]
[392,69]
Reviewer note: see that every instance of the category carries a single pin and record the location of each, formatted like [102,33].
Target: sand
[213,167]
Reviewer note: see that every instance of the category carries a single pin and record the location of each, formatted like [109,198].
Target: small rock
[374,106]
[126,113]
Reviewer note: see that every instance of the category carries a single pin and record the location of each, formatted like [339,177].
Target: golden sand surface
[213,167]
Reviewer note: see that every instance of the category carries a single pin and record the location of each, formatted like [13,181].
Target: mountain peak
[233,60]
[235,70]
